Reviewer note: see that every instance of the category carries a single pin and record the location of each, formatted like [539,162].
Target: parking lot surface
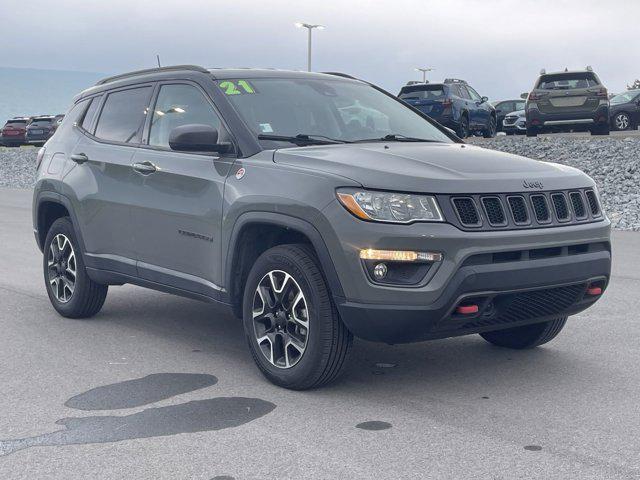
[158,386]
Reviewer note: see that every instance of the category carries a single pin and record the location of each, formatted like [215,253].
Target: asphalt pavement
[161,387]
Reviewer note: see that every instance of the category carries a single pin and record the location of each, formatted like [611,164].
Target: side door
[177,210]
[103,181]
[479,113]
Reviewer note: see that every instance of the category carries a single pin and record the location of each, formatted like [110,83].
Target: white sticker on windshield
[266,128]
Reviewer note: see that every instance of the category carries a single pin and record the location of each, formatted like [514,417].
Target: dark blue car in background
[453,104]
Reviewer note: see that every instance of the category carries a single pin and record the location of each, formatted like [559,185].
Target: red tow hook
[467,309]
[593,291]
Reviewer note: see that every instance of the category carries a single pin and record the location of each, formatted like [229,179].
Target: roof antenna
[158,59]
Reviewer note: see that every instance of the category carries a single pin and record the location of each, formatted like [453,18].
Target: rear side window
[16,122]
[90,114]
[567,81]
[123,114]
[179,105]
[423,92]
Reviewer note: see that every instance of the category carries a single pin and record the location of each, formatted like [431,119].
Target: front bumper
[475,264]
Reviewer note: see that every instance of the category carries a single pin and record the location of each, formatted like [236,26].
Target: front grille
[467,211]
[593,203]
[516,307]
[509,120]
[521,210]
[560,206]
[578,205]
[495,212]
[540,208]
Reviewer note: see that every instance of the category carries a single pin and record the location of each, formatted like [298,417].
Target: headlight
[390,207]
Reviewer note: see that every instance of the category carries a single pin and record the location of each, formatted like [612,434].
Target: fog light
[380,271]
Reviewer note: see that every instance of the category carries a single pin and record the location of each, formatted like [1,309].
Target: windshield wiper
[395,137]
[302,138]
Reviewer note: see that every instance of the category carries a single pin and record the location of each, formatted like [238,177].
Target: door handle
[144,168]
[79,158]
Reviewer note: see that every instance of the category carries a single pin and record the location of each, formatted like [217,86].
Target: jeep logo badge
[533,184]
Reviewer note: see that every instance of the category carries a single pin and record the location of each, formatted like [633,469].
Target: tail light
[602,93]
[40,157]
[534,96]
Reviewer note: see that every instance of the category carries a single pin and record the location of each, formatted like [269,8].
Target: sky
[498,46]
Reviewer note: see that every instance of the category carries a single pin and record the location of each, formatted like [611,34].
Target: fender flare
[294,223]
[54,197]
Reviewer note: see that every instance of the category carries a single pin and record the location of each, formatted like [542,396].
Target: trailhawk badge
[240,173]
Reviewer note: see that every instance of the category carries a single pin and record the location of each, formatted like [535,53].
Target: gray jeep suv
[317,207]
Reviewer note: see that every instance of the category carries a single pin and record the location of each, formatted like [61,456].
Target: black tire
[528,336]
[490,131]
[510,132]
[328,342]
[602,129]
[622,121]
[532,132]
[88,296]
[463,127]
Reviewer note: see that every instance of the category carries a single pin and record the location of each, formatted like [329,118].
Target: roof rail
[454,80]
[194,68]
[340,74]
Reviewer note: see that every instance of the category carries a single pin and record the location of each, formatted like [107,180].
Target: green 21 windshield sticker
[236,87]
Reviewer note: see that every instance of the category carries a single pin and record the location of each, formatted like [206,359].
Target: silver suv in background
[566,101]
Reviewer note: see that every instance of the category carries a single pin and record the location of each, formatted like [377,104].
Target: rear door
[103,180]
[572,92]
[177,209]
[479,111]
[431,99]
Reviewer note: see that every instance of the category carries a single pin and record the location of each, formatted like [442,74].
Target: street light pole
[424,73]
[309,28]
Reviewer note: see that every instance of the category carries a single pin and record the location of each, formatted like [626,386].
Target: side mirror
[524,95]
[196,138]
[484,99]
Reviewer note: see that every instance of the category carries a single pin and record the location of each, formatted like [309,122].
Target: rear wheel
[71,292]
[532,131]
[291,323]
[463,128]
[601,129]
[527,336]
[622,121]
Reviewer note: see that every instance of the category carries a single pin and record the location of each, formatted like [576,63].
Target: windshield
[625,97]
[16,122]
[341,110]
[568,81]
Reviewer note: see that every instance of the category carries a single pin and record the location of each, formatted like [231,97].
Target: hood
[517,113]
[433,168]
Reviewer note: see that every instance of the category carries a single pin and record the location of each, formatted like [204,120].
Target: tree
[634,86]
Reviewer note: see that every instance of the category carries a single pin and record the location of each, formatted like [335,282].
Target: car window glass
[474,94]
[567,81]
[463,92]
[519,106]
[87,120]
[123,114]
[625,97]
[72,117]
[179,105]
[423,92]
[504,107]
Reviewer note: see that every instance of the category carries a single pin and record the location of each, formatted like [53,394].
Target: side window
[122,116]
[505,107]
[474,94]
[90,114]
[71,117]
[178,105]
[463,92]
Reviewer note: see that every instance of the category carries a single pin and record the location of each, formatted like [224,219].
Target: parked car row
[29,130]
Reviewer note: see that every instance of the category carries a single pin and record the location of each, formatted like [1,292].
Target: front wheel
[71,292]
[532,132]
[527,336]
[463,128]
[291,323]
[622,121]
[490,131]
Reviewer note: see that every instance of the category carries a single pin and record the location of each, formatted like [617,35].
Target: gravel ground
[614,163]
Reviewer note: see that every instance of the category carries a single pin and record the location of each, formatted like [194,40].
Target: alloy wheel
[280,319]
[622,121]
[61,268]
